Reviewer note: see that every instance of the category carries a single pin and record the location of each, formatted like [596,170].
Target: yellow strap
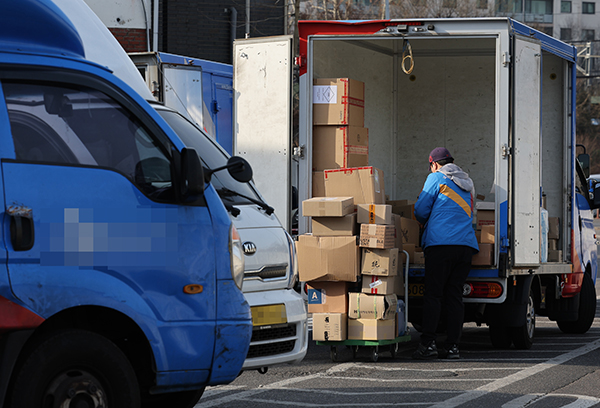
[453,195]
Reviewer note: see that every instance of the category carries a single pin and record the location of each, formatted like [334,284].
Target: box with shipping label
[410,231]
[364,306]
[485,256]
[328,206]
[377,236]
[381,262]
[411,249]
[383,285]
[318,184]
[327,297]
[404,208]
[334,226]
[486,214]
[365,184]
[336,147]
[555,255]
[338,101]
[330,326]
[553,228]
[487,234]
[328,258]
[369,329]
[374,214]
[401,318]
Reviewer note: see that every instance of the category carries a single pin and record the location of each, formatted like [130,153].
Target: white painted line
[528,372]
[522,401]
[321,405]
[387,392]
[211,391]
[583,401]
[420,380]
[437,370]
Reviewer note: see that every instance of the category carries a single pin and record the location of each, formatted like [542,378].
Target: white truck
[498,94]
[279,317]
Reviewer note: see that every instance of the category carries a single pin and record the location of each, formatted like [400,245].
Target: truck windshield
[212,157]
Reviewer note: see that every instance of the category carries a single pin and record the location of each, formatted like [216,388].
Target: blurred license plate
[416,289]
[269,314]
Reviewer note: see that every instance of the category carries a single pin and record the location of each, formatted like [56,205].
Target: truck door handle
[22,233]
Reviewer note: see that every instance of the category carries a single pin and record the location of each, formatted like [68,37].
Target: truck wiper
[268,209]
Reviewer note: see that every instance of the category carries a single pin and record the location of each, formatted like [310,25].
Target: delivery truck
[122,271]
[498,94]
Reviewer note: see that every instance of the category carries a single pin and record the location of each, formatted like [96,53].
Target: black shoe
[425,352]
[451,353]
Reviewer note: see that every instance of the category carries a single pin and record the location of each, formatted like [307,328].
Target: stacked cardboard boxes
[554,254]
[485,232]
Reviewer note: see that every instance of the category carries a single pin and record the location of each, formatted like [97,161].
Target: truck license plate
[269,314]
[416,289]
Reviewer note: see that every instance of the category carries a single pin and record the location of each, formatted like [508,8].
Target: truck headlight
[293,279]
[236,253]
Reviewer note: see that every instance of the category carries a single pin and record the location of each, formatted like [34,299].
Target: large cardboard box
[330,326]
[381,262]
[383,285]
[364,306]
[404,208]
[410,231]
[554,228]
[328,206]
[374,214]
[327,297]
[485,256]
[369,329]
[485,214]
[318,184]
[338,101]
[365,184]
[336,147]
[328,258]
[487,234]
[334,226]
[377,236]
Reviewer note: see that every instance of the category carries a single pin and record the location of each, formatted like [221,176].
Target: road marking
[320,404]
[522,401]
[211,391]
[582,401]
[521,375]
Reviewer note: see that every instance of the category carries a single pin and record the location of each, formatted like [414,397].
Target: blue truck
[122,270]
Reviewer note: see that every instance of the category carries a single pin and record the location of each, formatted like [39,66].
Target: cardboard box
[365,184]
[334,226]
[374,214]
[369,329]
[485,214]
[377,236]
[327,297]
[418,258]
[410,231]
[383,285]
[487,234]
[485,256]
[554,228]
[364,306]
[338,101]
[330,326]
[553,244]
[410,248]
[328,258]
[318,184]
[554,255]
[397,222]
[404,208]
[328,206]
[380,262]
[336,147]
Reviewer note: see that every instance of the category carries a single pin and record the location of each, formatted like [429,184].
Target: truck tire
[522,336]
[500,336]
[181,399]
[75,368]
[587,309]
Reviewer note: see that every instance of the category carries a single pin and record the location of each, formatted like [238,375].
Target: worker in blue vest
[445,209]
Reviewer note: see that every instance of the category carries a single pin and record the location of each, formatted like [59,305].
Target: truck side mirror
[584,161]
[192,173]
[239,169]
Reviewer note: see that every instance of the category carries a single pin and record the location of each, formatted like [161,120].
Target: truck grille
[268,272]
[263,350]
[273,332]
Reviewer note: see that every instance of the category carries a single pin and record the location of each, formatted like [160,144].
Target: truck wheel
[75,368]
[587,309]
[500,336]
[182,399]
[522,337]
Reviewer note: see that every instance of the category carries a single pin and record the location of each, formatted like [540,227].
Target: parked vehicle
[500,95]
[123,272]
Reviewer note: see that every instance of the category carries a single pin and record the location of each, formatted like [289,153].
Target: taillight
[488,290]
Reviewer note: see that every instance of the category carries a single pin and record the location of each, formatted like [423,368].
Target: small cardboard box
[380,262]
[334,226]
[318,184]
[411,249]
[365,184]
[369,329]
[328,206]
[554,255]
[338,101]
[374,214]
[377,236]
[383,285]
[418,258]
[336,147]
[485,256]
[554,228]
[410,231]
[330,326]
[364,306]
[404,208]
[485,214]
[328,258]
[487,234]
[327,297]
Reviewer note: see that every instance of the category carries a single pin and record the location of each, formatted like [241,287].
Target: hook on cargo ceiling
[407,55]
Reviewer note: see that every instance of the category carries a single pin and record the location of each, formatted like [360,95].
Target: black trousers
[446,269]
